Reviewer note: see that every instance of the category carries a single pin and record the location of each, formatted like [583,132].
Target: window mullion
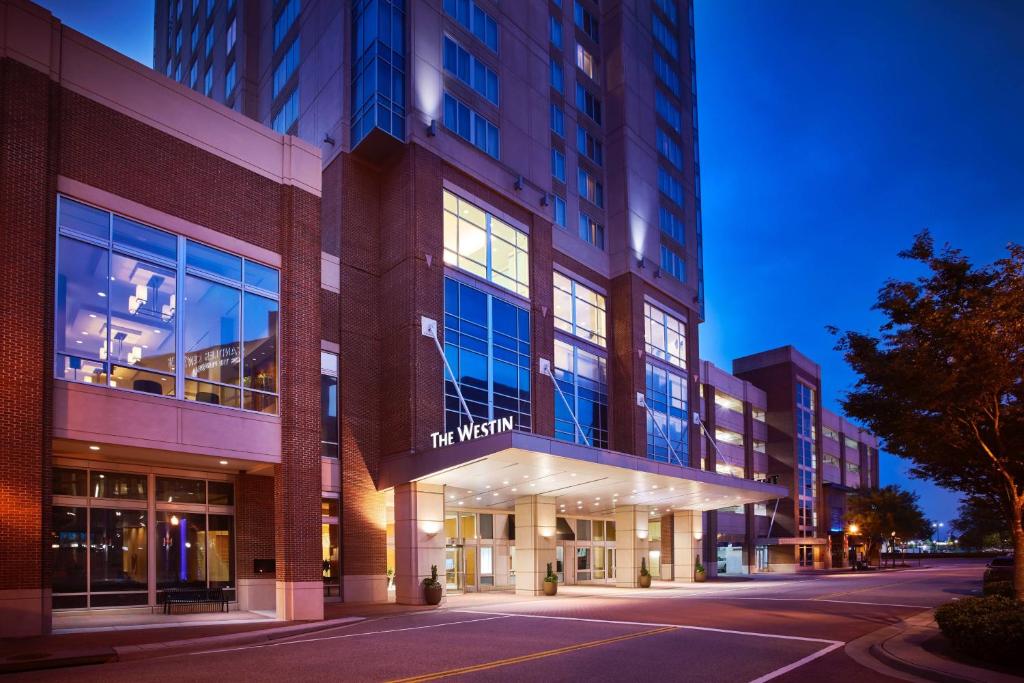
[490,340]
[179,323]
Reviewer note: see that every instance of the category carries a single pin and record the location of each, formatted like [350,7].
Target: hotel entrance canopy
[493,471]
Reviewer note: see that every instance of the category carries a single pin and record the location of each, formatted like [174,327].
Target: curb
[897,651]
[127,653]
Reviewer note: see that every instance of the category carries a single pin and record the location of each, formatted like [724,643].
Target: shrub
[1003,588]
[551,577]
[990,628]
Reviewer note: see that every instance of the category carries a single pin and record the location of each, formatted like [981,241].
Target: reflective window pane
[214,394]
[140,380]
[78,369]
[329,416]
[117,555]
[179,554]
[220,551]
[261,316]
[81,302]
[174,490]
[213,261]
[85,219]
[264,277]
[67,482]
[142,315]
[121,485]
[212,329]
[260,402]
[144,238]
[221,493]
[68,545]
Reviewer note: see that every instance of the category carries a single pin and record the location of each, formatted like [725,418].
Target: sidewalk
[105,644]
[901,651]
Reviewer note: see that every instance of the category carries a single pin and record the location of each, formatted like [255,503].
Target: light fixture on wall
[547,532]
[431,528]
[641,534]
[432,128]
[174,520]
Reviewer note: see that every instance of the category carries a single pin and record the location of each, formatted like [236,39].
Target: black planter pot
[432,593]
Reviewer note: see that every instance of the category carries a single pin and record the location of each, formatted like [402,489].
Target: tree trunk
[1018,555]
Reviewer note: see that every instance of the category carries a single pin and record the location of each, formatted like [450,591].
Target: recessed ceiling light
[478,497]
[655,486]
[505,483]
[572,474]
[494,493]
[78,341]
[487,487]
[513,489]
[461,503]
[579,502]
[531,483]
[102,293]
[223,462]
[92,315]
[94,448]
[451,497]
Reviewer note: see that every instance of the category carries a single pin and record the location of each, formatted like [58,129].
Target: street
[785,628]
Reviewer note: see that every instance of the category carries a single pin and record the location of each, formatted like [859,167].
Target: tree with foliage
[942,384]
[981,524]
[879,513]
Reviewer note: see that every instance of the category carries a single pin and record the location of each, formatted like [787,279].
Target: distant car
[999,569]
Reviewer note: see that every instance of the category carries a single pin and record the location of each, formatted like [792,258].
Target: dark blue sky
[830,134]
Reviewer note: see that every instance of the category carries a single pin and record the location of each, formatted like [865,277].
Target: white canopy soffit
[492,472]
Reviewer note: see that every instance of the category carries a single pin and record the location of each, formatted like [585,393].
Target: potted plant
[550,582]
[432,589]
[700,574]
[645,576]
[389,579]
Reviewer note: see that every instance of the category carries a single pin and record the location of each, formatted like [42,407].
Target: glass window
[598,530]
[261,315]
[591,231]
[558,165]
[465,122]
[117,485]
[84,219]
[668,111]
[482,244]
[67,482]
[579,310]
[586,21]
[328,404]
[82,288]
[144,239]
[285,21]
[286,68]
[142,322]
[609,531]
[220,550]
[220,493]
[68,545]
[555,31]
[117,557]
[663,34]
[475,20]
[212,348]
[671,225]
[672,263]
[667,415]
[465,66]
[287,114]
[169,490]
[586,63]
[583,378]
[589,146]
[666,74]
[588,103]
[179,556]
[262,277]
[557,120]
[557,76]
[487,344]
[589,187]
[486,526]
[665,336]
[214,261]
[582,529]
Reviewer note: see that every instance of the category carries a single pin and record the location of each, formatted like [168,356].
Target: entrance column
[687,531]
[630,544]
[535,542]
[419,539]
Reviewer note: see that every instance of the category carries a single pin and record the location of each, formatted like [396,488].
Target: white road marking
[797,664]
[840,602]
[686,627]
[347,635]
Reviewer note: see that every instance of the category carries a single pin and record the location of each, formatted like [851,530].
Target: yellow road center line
[530,657]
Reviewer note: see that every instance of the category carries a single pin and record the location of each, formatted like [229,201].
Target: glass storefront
[104,550]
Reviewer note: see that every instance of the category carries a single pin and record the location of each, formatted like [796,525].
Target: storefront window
[119,291]
[220,546]
[180,490]
[118,485]
[221,493]
[69,482]
[117,557]
[68,543]
[180,556]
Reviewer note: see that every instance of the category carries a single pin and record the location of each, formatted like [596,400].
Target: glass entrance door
[453,568]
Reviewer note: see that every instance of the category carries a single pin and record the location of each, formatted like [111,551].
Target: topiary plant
[551,576]
[643,567]
[698,567]
[432,579]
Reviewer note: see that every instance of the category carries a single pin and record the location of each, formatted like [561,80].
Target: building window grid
[558,165]
[806,460]
[487,344]
[105,362]
[663,34]
[588,103]
[670,186]
[664,336]
[589,187]
[666,399]
[285,21]
[329,432]
[671,225]
[557,76]
[559,211]
[586,22]
[589,146]
[579,310]
[590,230]
[555,31]
[471,126]
[672,263]
[286,67]
[668,111]
[479,243]
[474,19]
[465,66]
[378,68]
[557,120]
[670,149]
[287,114]
[583,378]
[666,73]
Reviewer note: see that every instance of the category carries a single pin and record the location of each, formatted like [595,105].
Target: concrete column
[535,542]
[419,539]
[687,531]
[630,544]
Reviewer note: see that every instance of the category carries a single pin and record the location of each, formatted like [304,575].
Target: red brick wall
[626,364]
[254,522]
[27,216]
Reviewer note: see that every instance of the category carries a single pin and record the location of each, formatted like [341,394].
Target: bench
[195,599]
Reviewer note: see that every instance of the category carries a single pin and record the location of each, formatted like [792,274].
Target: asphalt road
[772,628]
